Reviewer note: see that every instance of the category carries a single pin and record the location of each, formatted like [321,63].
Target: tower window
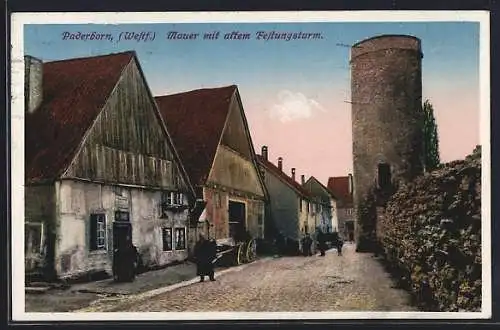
[384,175]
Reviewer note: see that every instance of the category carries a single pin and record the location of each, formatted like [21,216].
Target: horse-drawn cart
[231,253]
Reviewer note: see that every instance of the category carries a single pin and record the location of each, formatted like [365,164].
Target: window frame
[384,175]
[171,246]
[94,237]
[183,230]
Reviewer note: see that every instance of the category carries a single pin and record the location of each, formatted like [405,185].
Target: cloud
[294,106]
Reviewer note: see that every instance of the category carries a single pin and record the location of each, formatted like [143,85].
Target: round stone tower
[386,89]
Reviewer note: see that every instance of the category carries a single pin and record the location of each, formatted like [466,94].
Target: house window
[348,211]
[177,198]
[300,204]
[180,238]
[307,206]
[384,175]
[97,232]
[166,234]
[122,216]
[33,238]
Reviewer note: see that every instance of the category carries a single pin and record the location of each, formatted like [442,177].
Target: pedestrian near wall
[340,243]
[306,245]
[204,255]
[321,243]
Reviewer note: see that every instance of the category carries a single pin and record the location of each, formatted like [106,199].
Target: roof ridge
[130,52]
[199,90]
[283,175]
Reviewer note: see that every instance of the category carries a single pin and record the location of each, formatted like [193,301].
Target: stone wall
[431,236]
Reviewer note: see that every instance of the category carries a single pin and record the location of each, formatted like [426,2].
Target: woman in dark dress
[204,255]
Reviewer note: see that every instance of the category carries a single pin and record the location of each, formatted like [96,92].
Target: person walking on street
[204,255]
[340,243]
[306,246]
[321,243]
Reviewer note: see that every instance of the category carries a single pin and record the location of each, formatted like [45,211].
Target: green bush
[432,236]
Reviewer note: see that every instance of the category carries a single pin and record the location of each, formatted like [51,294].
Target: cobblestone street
[352,282]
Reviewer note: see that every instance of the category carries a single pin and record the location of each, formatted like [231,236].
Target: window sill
[98,252]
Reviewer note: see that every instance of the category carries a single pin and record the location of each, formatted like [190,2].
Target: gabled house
[100,168]
[291,208]
[342,188]
[210,131]
[327,203]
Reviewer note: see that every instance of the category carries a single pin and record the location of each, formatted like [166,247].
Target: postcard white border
[17,145]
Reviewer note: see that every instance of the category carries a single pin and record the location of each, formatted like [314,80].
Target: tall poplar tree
[430,136]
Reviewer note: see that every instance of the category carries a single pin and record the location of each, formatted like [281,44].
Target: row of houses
[107,163]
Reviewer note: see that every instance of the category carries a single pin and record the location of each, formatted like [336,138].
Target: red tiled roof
[339,186]
[74,93]
[283,176]
[195,121]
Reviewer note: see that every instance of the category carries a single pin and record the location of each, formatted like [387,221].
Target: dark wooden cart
[237,253]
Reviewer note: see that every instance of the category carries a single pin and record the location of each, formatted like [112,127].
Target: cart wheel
[252,250]
[240,257]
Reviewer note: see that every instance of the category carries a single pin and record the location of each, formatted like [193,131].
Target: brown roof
[339,186]
[283,176]
[74,93]
[195,121]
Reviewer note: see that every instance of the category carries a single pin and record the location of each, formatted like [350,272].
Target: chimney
[33,78]
[280,163]
[264,152]
[303,179]
[350,183]
[293,173]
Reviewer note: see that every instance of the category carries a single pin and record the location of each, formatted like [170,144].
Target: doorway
[122,235]
[237,219]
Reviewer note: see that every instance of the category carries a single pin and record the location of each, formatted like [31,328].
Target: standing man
[203,253]
[321,243]
[340,243]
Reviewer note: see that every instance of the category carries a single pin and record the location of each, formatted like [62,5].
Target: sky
[295,93]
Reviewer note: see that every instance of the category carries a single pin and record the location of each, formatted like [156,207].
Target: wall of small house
[127,144]
[78,200]
[217,209]
[284,207]
[217,212]
[334,214]
[234,135]
[343,217]
[40,210]
[233,171]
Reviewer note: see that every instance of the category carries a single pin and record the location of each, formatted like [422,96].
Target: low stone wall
[430,235]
